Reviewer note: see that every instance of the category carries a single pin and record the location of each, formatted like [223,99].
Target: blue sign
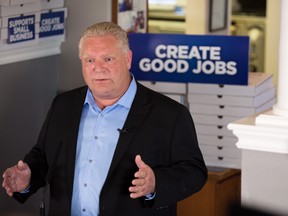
[52,24]
[21,29]
[190,58]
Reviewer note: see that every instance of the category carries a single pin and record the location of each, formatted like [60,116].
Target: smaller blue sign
[190,58]
[21,29]
[52,24]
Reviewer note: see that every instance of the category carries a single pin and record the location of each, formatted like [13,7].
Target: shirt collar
[125,101]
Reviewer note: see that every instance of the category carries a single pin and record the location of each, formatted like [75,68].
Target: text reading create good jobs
[175,59]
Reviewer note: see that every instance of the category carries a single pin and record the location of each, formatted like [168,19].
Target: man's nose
[98,66]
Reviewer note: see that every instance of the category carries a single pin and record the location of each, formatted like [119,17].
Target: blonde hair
[103,29]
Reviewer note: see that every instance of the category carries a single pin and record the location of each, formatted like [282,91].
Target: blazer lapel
[136,116]
[73,127]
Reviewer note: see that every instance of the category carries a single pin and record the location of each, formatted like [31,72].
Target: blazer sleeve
[187,172]
[36,161]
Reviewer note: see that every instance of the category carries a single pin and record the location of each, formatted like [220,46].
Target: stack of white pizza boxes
[176,91]
[214,106]
[18,8]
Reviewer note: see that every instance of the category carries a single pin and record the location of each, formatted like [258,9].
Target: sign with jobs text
[52,23]
[190,58]
[21,29]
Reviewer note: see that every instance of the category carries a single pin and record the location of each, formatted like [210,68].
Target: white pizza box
[56,10]
[224,151]
[180,98]
[28,50]
[217,130]
[18,2]
[4,21]
[17,46]
[257,83]
[4,32]
[219,161]
[214,119]
[240,101]
[20,9]
[217,140]
[55,39]
[4,2]
[166,87]
[229,110]
[51,4]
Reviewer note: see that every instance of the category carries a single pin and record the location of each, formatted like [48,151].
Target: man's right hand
[16,178]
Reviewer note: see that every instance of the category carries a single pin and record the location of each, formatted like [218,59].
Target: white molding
[272,118]
[26,54]
[279,111]
[42,49]
[265,132]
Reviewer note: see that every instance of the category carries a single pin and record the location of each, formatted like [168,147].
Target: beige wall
[272,38]
[197,17]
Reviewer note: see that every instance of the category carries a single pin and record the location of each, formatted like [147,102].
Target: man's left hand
[144,182]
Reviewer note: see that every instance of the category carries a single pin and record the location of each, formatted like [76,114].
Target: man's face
[105,67]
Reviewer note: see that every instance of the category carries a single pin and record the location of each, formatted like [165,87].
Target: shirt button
[84,210]
[90,161]
[95,137]
[85,185]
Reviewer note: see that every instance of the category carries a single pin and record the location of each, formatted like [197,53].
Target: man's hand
[16,178]
[144,182]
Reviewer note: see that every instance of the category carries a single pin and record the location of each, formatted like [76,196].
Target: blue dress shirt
[97,138]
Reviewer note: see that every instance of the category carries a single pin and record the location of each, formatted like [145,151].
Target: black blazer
[158,128]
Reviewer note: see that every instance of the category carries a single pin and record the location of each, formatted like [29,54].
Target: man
[113,147]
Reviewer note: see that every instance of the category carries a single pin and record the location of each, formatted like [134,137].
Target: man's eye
[109,59]
[89,60]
